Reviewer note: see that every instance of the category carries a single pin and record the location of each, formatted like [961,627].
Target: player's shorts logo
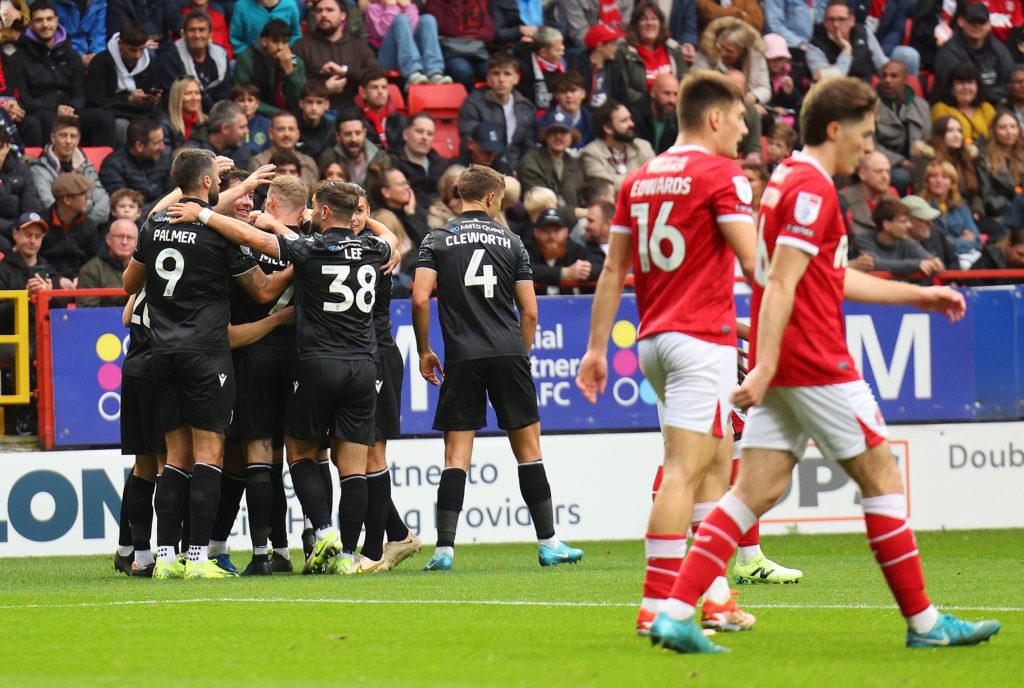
[223,378]
[808,206]
[631,386]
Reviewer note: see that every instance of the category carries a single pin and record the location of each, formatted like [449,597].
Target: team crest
[246,251]
[743,190]
[808,206]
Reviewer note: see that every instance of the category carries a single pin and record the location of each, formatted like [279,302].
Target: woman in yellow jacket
[963,98]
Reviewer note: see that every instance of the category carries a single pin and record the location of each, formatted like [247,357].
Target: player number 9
[174,274]
[649,242]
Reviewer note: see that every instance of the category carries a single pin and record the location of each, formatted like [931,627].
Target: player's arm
[134,277]
[422,290]
[743,330]
[235,231]
[379,230]
[245,334]
[263,288]
[864,288]
[593,374]
[743,240]
[226,199]
[126,314]
[787,268]
[526,299]
[166,202]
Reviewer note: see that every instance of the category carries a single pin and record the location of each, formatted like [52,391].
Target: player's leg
[309,488]
[280,560]
[378,501]
[123,556]
[141,437]
[170,502]
[259,499]
[232,487]
[204,501]
[351,458]
[139,505]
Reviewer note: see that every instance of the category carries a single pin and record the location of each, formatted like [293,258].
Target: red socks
[664,556]
[892,542]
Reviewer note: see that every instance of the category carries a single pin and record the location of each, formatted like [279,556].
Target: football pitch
[499,619]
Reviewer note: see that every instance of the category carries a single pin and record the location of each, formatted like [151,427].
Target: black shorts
[197,390]
[264,383]
[140,418]
[467,385]
[387,419]
[332,398]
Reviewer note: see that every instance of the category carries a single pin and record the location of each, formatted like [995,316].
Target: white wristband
[205,214]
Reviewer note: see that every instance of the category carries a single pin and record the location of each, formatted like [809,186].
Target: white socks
[552,542]
[124,550]
[922,622]
[718,592]
[283,552]
[259,551]
[441,551]
[143,557]
[680,611]
[748,554]
[197,554]
[166,554]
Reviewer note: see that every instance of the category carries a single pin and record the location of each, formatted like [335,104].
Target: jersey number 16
[650,240]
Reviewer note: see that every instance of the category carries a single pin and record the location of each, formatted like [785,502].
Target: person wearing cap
[922,217]
[485,146]
[891,246]
[597,63]
[842,47]
[570,94]
[72,239]
[17,191]
[616,151]
[551,166]
[418,160]
[786,97]
[555,258]
[655,118]
[24,268]
[580,16]
[973,42]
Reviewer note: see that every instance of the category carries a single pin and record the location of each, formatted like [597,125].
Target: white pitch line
[491,603]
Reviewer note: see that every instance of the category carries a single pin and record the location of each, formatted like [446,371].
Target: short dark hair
[419,115]
[839,3]
[232,177]
[1014,237]
[607,209]
[350,114]
[198,15]
[239,90]
[477,181]
[602,116]
[133,33]
[502,58]
[276,29]
[314,88]
[339,198]
[140,129]
[40,5]
[372,74]
[783,132]
[888,209]
[594,189]
[702,90]
[67,122]
[191,165]
[285,157]
[840,99]
[569,81]
[280,114]
[757,168]
[339,3]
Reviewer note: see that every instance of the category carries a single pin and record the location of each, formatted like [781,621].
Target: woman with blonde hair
[184,111]
[730,43]
[406,268]
[955,221]
[1000,165]
[447,204]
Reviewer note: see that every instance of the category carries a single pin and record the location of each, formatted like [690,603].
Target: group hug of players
[252,344]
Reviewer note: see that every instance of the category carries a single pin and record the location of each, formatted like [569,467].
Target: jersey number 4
[651,240]
[363,298]
[478,275]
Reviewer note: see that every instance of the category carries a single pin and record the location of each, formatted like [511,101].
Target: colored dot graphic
[626,364]
[108,348]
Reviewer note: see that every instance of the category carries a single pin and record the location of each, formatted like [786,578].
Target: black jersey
[478,263]
[188,266]
[382,312]
[137,359]
[336,275]
[246,310]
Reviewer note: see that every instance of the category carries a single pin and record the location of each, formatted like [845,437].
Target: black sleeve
[374,244]
[426,254]
[76,98]
[29,200]
[294,248]
[524,271]
[542,272]
[240,259]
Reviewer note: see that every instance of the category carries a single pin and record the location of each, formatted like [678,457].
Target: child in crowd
[781,142]
[247,97]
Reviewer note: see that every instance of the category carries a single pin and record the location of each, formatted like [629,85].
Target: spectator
[535,201]
[730,43]
[390,190]
[353,150]
[284,135]
[747,11]
[86,25]
[757,175]
[484,147]
[543,64]
[963,97]
[786,97]
[888,21]
[779,144]
[656,120]
[500,104]
[465,29]
[922,217]
[946,144]
[616,151]
[750,144]
[47,72]
[841,46]
[63,155]
[1014,101]
[224,133]
[159,19]
[104,271]
[972,43]
[142,163]
[406,40]
[287,163]
[125,81]
[903,120]
[581,15]
[447,204]
[333,172]
[1007,254]
[333,54]
[13,117]
[418,160]
[1000,167]
[510,202]
[126,204]
[247,97]
[569,95]
[72,239]
[859,200]
[794,20]
[555,258]
[599,227]
[218,24]
[551,166]
[272,68]
[956,222]
[597,64]
[510,24]
[316,133]
[682,22]
[381,112]
[890,245]
[17,192]
[196,55]
[184,111]
[24,268]
[249,20]
[649,51]
[403,274]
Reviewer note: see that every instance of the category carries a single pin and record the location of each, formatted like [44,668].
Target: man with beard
[616,151]
[551,166]
[334,54]
[354,151]
[656,117]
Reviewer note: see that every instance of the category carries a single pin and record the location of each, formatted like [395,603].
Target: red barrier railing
[44,353]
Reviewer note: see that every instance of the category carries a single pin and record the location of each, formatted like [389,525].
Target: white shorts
[692,378]
[843,420]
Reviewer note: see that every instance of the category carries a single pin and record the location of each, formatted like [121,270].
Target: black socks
[138,505]
[378,499]
[352,510]
[259,500]
[204,499]
[533,485]
[232,487]
[309,488]
[279,507]
[169,504]
[450,495]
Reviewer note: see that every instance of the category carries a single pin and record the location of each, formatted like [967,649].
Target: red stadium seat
[446,138]
[97,154]
[442,102]
[396,98]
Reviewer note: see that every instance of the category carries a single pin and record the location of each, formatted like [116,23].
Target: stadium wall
[959,476]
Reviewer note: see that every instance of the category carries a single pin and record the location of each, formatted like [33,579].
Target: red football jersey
[682,264]
[800,208]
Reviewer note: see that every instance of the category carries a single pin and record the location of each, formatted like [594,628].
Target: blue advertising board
[922,368]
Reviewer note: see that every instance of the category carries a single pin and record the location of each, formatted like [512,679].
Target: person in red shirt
[681,221]
[803,384]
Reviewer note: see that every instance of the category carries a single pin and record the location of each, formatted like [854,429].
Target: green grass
[274,632]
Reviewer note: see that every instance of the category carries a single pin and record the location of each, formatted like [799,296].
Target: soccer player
[482,271]
[680,222]
[803,384]
[333,384]
[185,271]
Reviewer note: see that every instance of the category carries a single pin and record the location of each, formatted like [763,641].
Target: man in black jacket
[160,19]
[418,160]
[655,117]
[194,54]
[125,80]
[24,268]
[556,258]
[47,72]
[143,164]
[18,193]
[973,42]
[72,239]
[224,133]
